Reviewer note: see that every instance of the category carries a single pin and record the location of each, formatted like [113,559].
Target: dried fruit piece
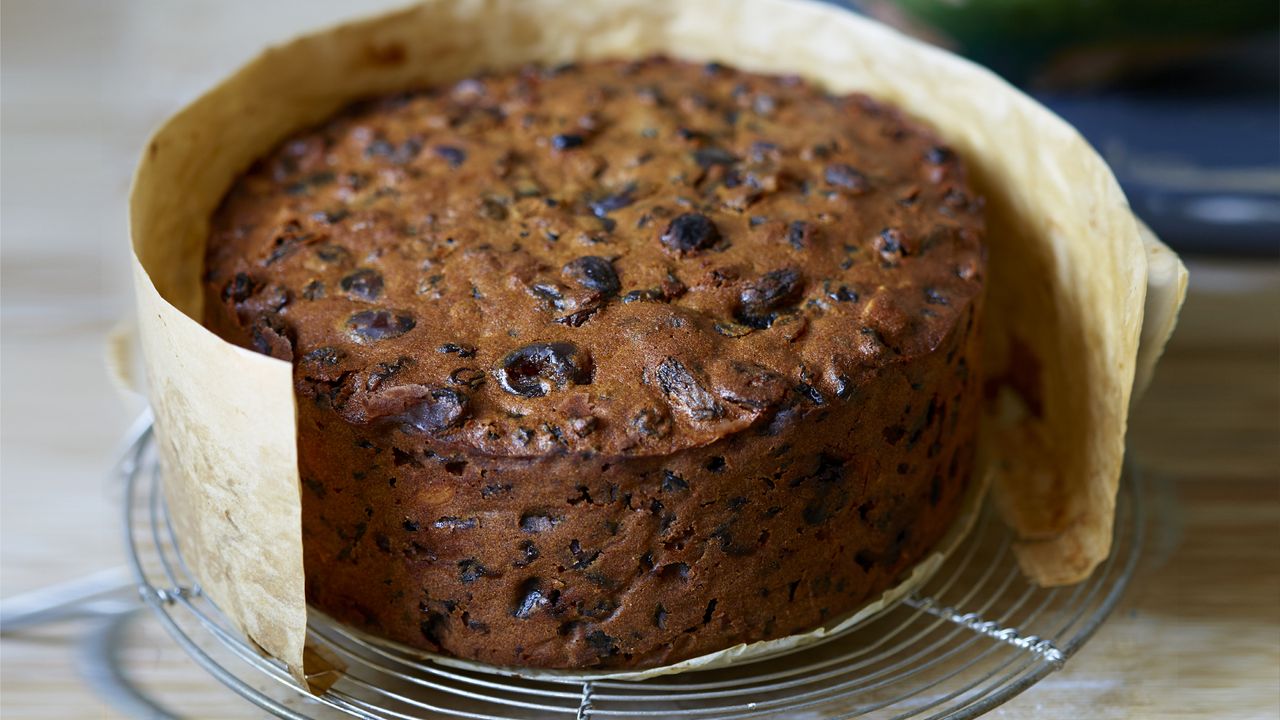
[830,496]
[330,254]
[550,292]
[289,241]
[690,232]
[673,482]
[645,295]
[651,423]
[685,391]
[453,522]
[238,289]
[583,426]
[846,177]
[531,598]
[414,407]
[435,626]
[528,553]
[751,385]
[460,349]
[938,155]
[373,325]
[708,156]
[576,319]
[810,393]
[593,273]
[455,156]
[760,301]
[384,371]
[442,408]
[363,284]
[567,141]
[270,336]
[582,559]
[891,244]
[607,204]
[470,570]
[800,234]
[323,357]
[533,370]
[842,293]
[536,522]
[602,643]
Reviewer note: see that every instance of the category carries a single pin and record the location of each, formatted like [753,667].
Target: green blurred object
[1076,42]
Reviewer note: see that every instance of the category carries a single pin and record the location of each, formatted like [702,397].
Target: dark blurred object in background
[1182,97]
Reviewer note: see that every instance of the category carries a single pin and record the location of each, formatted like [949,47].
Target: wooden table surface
[1198,634]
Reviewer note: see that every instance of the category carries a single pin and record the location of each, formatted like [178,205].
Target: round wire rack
[974,636]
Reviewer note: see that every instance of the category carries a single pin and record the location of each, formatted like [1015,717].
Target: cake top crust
[625,258]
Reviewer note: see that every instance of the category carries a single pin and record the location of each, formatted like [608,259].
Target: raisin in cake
[612,364]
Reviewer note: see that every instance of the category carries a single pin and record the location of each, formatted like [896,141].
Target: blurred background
[1182,97]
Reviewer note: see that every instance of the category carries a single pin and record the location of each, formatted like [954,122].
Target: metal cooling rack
[974,636]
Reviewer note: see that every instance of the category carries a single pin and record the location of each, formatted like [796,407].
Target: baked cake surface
[614,364]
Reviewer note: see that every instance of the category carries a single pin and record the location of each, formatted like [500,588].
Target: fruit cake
[612,364]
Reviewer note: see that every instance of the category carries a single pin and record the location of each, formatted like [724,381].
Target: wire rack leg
[102,667]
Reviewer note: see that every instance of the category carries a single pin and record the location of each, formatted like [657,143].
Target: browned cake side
[616,364]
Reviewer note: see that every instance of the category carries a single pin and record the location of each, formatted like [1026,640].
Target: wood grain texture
[1198,635]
